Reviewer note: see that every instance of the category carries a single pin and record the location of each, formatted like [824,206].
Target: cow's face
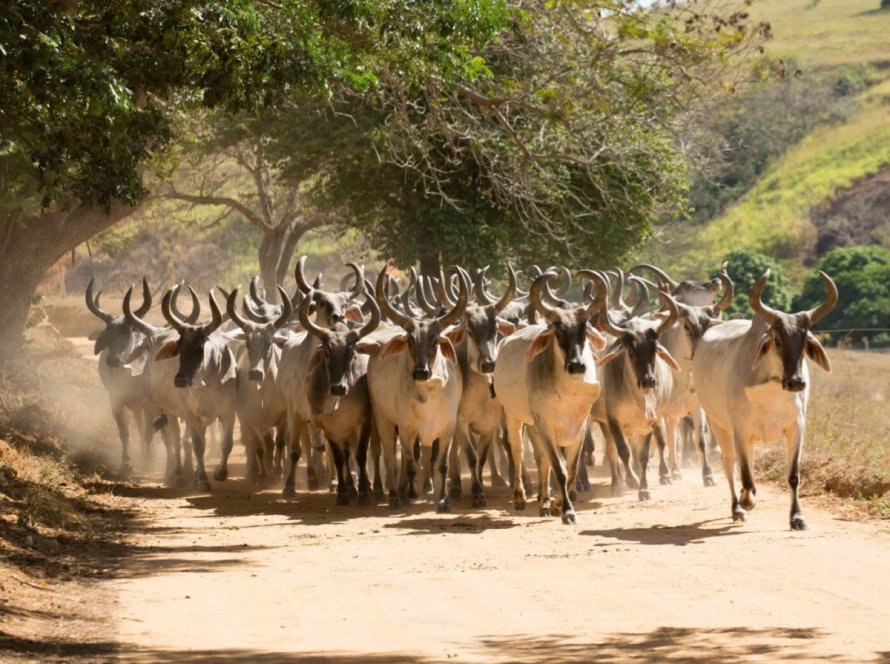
[639,342]
[119,340]
[697,293]
[785,344]
[570,331]
[258,343]
[333,308]
[483,326]
[189,349]
[334,356]
[422,342]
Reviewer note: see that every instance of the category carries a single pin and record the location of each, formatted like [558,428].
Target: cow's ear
[596,339]
[281,342]
[816,353]
[713,322]
[354,314]
[95,335]
[100,345]
[167,352]
[608,357]
[505,327]
[394,346]
[668,359]
[447,349]
[367,347]
[766,342]
[456,334]
[137,352]
[539,345]
[319,354]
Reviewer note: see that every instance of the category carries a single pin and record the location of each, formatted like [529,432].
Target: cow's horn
[216,316]
[728,293]
[298,275]
[457,311]
[136,319]
[145,307]
[820,312]
[754,299]
[359,288]
[507,298]
[167,309]
[232,309]
[673,315]
[386,308]
[601,293]
[308,324]
[93,304]
[660,274]
[535,292]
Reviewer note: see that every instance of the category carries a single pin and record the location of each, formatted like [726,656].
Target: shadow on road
[683,535]
[666,644]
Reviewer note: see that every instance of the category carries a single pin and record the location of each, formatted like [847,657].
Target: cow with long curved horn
[546,381]
[753,384]
[637,379]
[206,368]
[339,400]
[415,385]
[331,308]
[120,345]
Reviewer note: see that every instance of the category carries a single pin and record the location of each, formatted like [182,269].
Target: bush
[745,267]
[862,275]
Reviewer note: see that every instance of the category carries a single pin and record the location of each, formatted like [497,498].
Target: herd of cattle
[418,374]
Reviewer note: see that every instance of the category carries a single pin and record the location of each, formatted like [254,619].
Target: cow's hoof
[342,498]
[353,492]
[545,508]
[444,506]
[675,474]
[379,494]
[632,483]
[665,480]
[288,491]
[747,500]
[798,523]
[182,482]
[221,474]
[427,487]
[455,493]
[479,501]
[363,498]
[569,518]
[739,514]
[573,495]
[644,494]
[708,480]
[202,486]
[519,503]
[312,483]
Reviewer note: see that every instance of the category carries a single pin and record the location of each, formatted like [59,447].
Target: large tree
[89,91]
[560,143]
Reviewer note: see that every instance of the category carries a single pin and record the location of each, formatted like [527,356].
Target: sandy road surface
[240,577]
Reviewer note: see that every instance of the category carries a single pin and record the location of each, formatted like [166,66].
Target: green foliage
[745,268]
[88,88]
[751,130]
[862,275]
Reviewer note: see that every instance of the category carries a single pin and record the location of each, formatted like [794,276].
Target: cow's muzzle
[647,382]
[113,362]
[256,375]
[794,384]
[487,366]
[181,381]
[421,374]
[338,390]
[576,367]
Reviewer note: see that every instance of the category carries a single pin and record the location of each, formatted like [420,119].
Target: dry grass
[846,451]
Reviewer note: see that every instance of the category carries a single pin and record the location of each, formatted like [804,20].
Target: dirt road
[240,577]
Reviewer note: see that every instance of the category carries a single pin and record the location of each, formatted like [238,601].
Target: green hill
[799,205]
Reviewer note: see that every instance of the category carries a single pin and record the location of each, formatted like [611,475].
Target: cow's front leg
[295,434]
[643,458]
[698,432]
[202,482]
[724,439]
[794,438]
[123,431]
[513,433]
[227,422]
[442,450]
[745,453]
[623,451]
[544,463]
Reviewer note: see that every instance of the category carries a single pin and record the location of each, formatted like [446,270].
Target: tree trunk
[429,263]
[267,259]
[30,250]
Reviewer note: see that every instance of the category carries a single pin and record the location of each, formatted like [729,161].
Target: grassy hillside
[774,215]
